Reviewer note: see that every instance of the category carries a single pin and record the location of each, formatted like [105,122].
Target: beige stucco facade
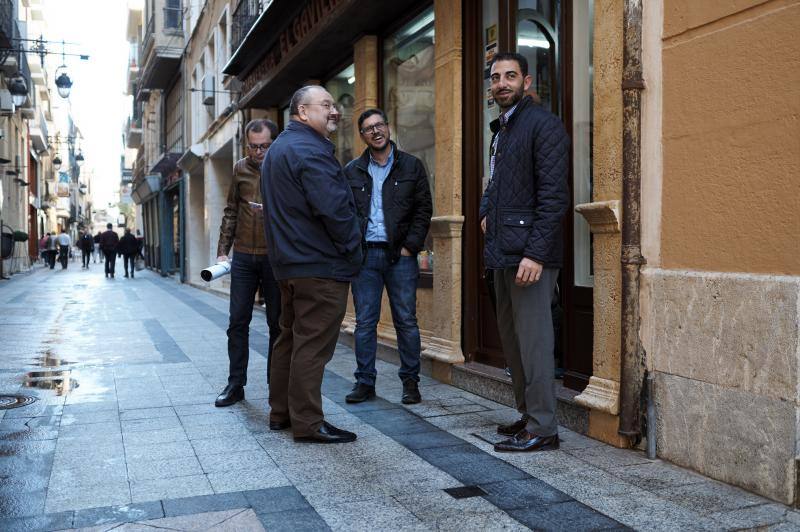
[720,149]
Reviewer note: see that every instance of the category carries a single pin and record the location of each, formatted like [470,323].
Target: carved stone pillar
[365,63]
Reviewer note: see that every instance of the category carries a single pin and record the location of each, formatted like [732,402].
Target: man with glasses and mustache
[393,200]
[521,215]
[243,229]
[315,247]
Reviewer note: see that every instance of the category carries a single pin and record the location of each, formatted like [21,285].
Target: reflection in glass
[342,87]
[409,97]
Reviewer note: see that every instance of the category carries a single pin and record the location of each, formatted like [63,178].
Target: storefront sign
[310,17]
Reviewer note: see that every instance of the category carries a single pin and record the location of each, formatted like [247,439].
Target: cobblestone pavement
[125,431]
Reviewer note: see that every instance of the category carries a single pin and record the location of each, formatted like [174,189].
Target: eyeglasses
[330,107]
[259,147]
[374,128]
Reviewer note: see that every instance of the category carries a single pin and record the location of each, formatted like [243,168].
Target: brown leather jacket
[242,225]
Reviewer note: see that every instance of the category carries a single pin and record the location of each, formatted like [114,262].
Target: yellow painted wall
[731,136]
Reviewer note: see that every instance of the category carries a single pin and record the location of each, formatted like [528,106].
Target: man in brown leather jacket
[243,229]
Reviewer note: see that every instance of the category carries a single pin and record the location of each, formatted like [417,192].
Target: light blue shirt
[376,230]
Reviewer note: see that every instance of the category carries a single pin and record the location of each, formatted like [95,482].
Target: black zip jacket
[407,205]
[528,196]
[309,215]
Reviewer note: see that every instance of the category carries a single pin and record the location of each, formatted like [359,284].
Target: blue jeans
[248,273]
[400,280]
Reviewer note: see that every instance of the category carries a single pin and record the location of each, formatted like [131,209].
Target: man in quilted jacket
[521,214]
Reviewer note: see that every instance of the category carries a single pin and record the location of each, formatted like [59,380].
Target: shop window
[582,116]
[409,98]
[342,88]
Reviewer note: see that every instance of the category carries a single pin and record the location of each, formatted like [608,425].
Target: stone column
[365,63]
[448,220]
[603,216]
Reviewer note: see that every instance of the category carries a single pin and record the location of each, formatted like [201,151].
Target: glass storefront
[342,88]
[409,97]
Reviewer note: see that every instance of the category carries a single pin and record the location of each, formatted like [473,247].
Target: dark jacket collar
[296,125]
[523,103]
[362,163]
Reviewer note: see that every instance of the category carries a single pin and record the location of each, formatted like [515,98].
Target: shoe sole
[326,442]
[353,401]
[411,401]
[221,405]
[551,447]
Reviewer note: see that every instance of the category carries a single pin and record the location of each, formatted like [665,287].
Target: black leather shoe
[232,394]
[361,392]
[526,441]
[513,428]
[279,425]
[411,394]
[327,433]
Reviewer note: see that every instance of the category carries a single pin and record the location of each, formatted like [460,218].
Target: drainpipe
[632,378]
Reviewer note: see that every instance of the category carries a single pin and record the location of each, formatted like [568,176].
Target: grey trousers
[526,331]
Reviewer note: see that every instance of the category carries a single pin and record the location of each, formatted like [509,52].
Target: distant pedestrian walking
[128,248]
[314,245]
[140,242]
[43,248]
[108,243]
[96,253]
[86,244]
[52,247]
[64,242]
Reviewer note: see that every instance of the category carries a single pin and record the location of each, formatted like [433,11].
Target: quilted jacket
[528,195]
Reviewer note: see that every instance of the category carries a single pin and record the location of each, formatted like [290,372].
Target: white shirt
[63,239]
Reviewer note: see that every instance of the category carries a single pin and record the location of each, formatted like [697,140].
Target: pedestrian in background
[52,247]
[64,242]
[86,244]
[108,244]
[393,201]
[140,242]
[127,248]
[521,214]
[242,229]
[96,252]
[314,246]
[43,248]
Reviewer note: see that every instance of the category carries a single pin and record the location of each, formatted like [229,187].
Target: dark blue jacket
[525,202]
[309,213]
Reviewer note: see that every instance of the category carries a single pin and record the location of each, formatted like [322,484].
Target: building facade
[680,284]
[41,186]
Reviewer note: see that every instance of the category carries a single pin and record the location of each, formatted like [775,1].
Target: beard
[510,99]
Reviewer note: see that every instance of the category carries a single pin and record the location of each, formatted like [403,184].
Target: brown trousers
[312,311]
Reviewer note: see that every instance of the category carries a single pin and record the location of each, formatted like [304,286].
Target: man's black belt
[381,245]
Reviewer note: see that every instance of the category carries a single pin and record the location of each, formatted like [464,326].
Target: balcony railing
[244,17]
[148,37]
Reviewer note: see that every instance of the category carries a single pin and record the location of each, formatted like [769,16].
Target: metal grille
[15,401]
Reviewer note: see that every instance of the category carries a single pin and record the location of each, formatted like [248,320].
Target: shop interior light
[534,43]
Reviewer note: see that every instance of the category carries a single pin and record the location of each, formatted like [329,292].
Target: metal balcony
[243,19]
[162,48]
[133,133]
[7,24]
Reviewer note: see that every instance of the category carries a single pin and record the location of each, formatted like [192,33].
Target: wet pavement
[123,430]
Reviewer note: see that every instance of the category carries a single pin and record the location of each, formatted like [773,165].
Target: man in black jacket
[521,214]
[393,201]
[108,245]
[128,248]
[86,243]
[314,246]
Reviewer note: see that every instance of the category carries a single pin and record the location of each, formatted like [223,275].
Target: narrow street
[123,429]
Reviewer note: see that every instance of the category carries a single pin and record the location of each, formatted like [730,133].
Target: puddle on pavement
[55,379]
[58,381]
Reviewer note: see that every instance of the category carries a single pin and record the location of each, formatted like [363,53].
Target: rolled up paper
[216,271]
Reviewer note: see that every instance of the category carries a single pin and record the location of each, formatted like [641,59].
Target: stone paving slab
[135,442]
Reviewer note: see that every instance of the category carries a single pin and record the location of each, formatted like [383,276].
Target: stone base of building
[724,348]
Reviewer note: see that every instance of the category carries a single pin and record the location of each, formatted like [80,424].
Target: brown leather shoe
[526,441]
[510,430]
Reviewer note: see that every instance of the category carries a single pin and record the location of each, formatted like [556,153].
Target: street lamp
[79,160]
[18,89]
[63,82]
[57,162]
